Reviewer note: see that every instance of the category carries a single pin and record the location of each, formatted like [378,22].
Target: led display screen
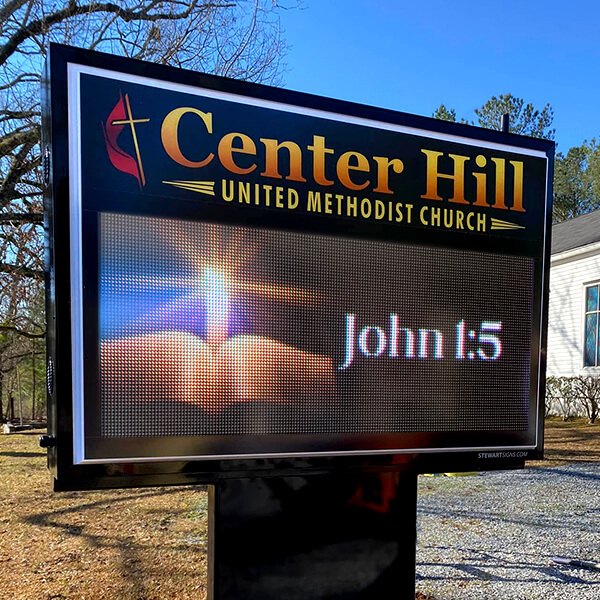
[210,329]
[238,273]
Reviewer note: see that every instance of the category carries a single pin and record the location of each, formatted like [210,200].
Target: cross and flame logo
[117,120]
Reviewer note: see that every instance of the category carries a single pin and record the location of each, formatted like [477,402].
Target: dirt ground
[141,544]
[569,441]
[133,544]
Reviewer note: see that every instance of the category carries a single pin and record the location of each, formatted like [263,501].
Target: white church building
[574,312]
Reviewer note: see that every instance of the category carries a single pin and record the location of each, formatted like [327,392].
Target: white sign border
[74,72]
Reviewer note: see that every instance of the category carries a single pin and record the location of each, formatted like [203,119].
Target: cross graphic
[132,122]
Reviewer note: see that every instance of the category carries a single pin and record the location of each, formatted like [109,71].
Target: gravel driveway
[492,536]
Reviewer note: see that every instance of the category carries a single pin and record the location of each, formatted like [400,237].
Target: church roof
[577,232]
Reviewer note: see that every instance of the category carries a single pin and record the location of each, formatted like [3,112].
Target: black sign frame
[65,458]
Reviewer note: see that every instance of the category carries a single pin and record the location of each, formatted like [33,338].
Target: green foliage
[525,119]
[443,113]
[576,173]
[576,181]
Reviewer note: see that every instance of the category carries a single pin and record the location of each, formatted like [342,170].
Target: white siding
[568,276]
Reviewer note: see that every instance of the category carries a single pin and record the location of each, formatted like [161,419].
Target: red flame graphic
[118,157]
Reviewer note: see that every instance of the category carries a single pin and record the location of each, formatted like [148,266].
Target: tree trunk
[33,382]
[20,397]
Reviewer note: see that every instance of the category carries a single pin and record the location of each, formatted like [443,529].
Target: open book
[180,366]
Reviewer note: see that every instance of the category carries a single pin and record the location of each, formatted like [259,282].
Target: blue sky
[412,55]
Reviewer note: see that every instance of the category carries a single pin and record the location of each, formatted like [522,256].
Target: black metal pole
[505,123]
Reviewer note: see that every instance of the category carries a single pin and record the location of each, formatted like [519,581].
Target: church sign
[238,273]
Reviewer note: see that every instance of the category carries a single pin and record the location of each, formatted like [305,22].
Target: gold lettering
[319,151]
[365,212]
[481,179]
[345,165]
[293,199]
[518,186]
[448,218]
[470,217]
[279,197]
[227,195]
[500,176]
[314,202]
[458,177]
[351,205]
[256,194]
[383,171]
[272,148]
[399,215]
[244,192]
[169,135]
[226,150]
[480,222]
[267,189]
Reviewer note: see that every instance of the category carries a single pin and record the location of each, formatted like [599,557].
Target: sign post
[314,537]
[264,290]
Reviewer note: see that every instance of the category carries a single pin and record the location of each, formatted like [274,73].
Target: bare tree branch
[16,138]
[24,355]
[21,78]
[18,331]
[19,114]
[31,217]
[238,38]
[74,9]
[10,8]
[21,270]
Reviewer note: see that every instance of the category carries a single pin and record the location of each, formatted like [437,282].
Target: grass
[569,441]
[140,544]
